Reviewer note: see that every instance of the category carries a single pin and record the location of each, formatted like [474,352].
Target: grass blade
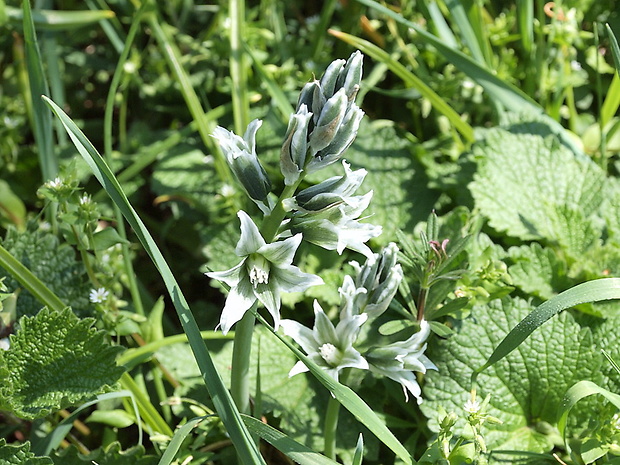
[349,400]
[58,20]
[615,48]
[177,440]
[238,66]
[506,94]
[219,394]
[30,282]
[591,291]
[577,392]
[465,26]
[292,449]
[205,126]
[410,79]
[42,116]
[525,21]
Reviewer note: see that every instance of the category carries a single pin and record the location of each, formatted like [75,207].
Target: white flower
[85,199]
[98,296]
[329,347]
[263,274]
[471,406]
[5,344]
[399,360]
[56,183]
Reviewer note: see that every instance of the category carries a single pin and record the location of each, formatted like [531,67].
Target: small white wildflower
[5,344]
[98,296]
[54,184]
[616,421]
[471,406]
[85,199]
[45,226]
[575,65]
[208,159]
[468,84]
[227,190]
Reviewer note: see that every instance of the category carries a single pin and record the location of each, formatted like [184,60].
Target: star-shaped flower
[263,274]
[329,347]
[399,360]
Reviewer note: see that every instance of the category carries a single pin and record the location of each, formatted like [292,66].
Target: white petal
[353,359]
[300,334]
[323,330]
[299,367]
[281,253]
[239,300]
[230,277]
[269,296]
[292,279]
[349,328]
[251,239]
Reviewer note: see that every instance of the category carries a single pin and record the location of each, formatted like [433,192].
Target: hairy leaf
[526,387]
[109,455]
[54,264]
[532,187]
[56,360]
[537,271]
[20,455]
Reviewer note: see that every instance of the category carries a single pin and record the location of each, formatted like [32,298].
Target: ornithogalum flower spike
[329,347]
[264,272]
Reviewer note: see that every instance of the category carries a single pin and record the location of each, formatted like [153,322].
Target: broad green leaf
[533,187]
[526,388]
[591,291]
[56,360]
[111,454]
[58,20]
[537,271]
[224,404]
[20,455]
[59,277]
[294,450]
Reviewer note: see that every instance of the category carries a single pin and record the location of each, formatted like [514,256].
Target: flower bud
[351,75]
[380,276]
[241,156]
[330,78]
[330,118]
[342,140]
[295,147]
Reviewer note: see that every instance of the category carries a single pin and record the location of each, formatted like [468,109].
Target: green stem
[240,370]
[238,70]
[107,141]
[331,420]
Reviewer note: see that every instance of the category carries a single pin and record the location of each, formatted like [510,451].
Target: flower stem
[240,370]
[331,421]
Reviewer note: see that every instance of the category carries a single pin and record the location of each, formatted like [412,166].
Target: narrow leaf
[179,436]
[615,48]
[592,291]
[42,117]
[577,392]
[292,449]
[58,20]
[221,397]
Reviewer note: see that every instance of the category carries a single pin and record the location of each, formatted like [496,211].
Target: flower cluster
[328,214]
[326,121]
[363,298]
